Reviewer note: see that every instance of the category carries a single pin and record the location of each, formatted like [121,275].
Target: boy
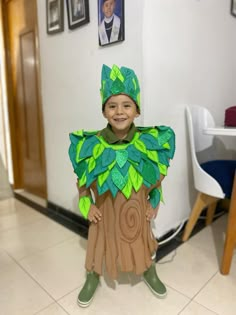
[123,166]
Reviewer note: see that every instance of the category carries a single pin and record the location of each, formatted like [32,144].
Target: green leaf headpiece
[116,81]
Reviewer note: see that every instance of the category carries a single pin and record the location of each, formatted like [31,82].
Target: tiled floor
[41,272]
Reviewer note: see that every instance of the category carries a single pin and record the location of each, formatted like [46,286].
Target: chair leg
[230,240]
[202,201]
[210,213]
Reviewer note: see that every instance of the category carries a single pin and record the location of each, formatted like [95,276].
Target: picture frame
[78,13]
[233,7]
[55,16]
[111,22]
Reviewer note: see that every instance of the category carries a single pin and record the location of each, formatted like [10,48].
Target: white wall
[70,69]
[182,51]
[188,58]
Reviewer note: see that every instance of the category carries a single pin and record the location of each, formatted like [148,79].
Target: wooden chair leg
[210,213]
[202,202]
[230,240]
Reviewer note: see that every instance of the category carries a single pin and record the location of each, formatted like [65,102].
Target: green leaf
[108,156]
[136,178]
[152,155]
[118,179]
[78,148]
[162,168]
[149,172]
[97,150]
[102,178]
[84,205]
[82,180]
[140,146]
[91,164]
[134,154]
[121,157]
[150,142]
[127,190]
[155,197]
[88,145]
[81,168]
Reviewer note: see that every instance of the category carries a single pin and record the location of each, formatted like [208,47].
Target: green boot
[87,293]
[154,283]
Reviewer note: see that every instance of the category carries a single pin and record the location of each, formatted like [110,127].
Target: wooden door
[25,112]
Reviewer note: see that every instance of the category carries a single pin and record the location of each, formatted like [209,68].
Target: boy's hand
[94,214]
[151,213]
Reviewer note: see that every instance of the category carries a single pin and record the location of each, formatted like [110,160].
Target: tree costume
[124,179]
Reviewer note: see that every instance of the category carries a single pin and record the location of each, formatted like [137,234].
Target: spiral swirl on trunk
[130,221]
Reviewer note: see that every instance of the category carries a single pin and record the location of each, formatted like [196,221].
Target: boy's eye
[111,105]
[127,105]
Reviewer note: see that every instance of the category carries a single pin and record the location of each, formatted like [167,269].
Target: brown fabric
[123,239]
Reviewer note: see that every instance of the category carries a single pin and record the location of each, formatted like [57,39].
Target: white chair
[209,190]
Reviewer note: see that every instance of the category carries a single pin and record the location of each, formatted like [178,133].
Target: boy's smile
[120,112]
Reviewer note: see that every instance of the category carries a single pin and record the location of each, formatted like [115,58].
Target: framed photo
[110,21]
[55,16]
[233,7]
[78,13]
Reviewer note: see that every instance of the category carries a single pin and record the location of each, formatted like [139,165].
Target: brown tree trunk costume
[123,238]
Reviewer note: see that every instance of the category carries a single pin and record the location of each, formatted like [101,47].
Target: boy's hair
[116,81]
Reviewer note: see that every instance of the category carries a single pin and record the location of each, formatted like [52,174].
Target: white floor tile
[42,272]
[29,239]
[212,237]
[187,269]
[5,260]
[59,269]
[53,309]
[15,214]
[196,309]
[19,294]
[219,294]
[126,299]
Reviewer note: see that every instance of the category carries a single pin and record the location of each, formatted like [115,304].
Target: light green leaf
[140,146]
[136,178]
[91,164]
[152,155]
[102,178]
[162,168]
[97,150]
[82,180]
[127,190]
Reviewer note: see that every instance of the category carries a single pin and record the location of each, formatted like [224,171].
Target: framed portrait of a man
[78,13]
[110,21]
[233,7]
[55,16]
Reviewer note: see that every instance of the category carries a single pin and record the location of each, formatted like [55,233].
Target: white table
[230,240]
[220,131]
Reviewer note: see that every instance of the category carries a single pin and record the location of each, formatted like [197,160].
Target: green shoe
[87,293]
[154,283]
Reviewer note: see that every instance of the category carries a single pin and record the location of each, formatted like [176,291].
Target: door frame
[15,142]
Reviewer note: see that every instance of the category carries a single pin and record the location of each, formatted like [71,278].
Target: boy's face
[108,8]
[120,112]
